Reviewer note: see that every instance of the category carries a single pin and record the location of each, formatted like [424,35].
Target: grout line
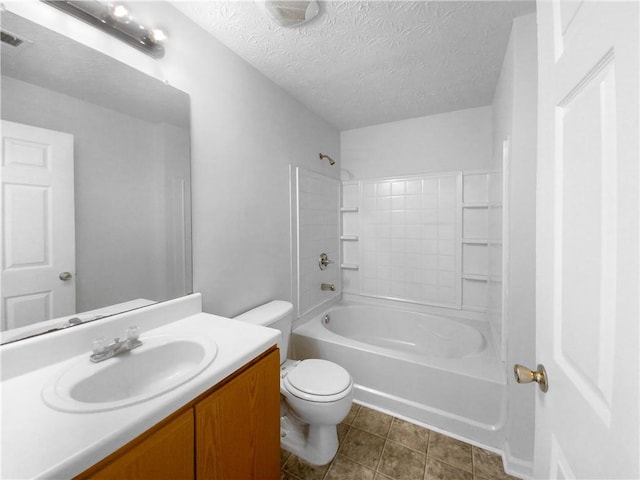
[384,445]
[330,465]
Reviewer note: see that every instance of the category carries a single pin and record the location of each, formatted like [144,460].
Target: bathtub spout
[328,286]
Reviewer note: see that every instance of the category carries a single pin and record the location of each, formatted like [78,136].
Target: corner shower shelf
[349,266]
[475,205]
[349,209]
[349,238]
[475,277]
[475,241]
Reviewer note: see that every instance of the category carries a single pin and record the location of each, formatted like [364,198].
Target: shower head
[323,156]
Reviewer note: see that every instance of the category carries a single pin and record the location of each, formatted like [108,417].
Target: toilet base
[316,444]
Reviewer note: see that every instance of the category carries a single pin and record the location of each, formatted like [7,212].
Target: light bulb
[157,35]
[119,12]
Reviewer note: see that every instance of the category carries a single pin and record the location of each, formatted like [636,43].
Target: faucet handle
[99,345]
[133,332]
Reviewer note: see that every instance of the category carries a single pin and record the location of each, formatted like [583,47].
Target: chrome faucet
[103,351]
[323,261]
[328,286]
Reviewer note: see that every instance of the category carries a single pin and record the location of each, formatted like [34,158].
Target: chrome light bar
[115,19]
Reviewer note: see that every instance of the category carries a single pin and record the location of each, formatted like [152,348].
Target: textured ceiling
[362,63]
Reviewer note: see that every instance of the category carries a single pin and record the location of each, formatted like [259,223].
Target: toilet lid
[319,378]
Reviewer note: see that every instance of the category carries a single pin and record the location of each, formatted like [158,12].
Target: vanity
[220,421]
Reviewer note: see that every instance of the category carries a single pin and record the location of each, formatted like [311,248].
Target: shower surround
[418,233]
[315,230]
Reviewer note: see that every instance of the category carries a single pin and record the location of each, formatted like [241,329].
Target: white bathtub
[442,372]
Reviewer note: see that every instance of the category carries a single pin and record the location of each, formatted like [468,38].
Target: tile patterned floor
[375,446]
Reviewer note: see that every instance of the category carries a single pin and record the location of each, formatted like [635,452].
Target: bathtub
[438,371]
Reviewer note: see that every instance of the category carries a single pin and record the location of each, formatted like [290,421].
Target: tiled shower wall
[317,206]
[410,239]
[421,239]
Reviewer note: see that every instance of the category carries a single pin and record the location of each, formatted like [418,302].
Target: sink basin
[162,363]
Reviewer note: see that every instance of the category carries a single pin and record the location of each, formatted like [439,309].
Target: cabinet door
[238,426]
[167,452]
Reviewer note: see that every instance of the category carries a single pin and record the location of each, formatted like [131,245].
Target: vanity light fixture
[115,19]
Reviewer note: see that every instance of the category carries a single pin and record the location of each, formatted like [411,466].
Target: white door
[38,232]
[587,240]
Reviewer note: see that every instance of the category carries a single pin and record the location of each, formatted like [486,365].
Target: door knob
[65,276]
[526,375]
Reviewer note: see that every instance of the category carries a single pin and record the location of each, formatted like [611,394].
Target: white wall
[452,141]
[245,131]
[515,106]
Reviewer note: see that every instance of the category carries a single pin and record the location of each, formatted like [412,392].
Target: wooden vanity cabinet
[238,426]
[230,432]
[165,451]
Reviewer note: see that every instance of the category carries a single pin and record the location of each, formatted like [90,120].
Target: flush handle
[526,375]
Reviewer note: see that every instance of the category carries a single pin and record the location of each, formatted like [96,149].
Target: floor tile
[402,463]
[343,428]
[489,465]
[441,471]
[362,447]
[450,451]
[344,468]
[396,452]
[355,408]
[287,476]
[381,476]
[409,435]
[284,454]
[373,421]
[303,470]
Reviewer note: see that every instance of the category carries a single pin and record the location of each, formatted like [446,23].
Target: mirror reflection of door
[131,145]
[38,228]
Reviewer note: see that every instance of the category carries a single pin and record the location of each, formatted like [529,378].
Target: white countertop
[40,442]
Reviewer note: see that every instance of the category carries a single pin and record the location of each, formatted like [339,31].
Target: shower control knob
[323,261]
[526,375]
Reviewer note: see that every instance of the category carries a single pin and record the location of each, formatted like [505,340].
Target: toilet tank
[277,314]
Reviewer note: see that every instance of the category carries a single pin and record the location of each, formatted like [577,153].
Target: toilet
[315,395]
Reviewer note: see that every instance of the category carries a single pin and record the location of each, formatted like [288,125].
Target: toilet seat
[318,380]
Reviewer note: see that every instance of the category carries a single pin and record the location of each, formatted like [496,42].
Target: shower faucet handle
[323,261]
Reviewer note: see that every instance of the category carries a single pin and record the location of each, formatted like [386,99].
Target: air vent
[10,39]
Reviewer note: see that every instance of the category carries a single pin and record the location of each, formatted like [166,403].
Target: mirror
[95,177]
